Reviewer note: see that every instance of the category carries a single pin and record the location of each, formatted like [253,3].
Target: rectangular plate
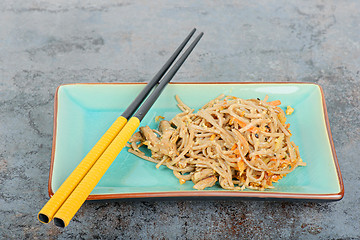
[83,112]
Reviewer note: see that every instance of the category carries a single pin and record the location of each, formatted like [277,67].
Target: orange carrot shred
[275,103]
[241,165]
[243,124]
[236,151]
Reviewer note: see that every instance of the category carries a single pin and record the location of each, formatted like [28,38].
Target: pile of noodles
[238,143]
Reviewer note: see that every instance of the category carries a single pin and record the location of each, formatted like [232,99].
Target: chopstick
[145,92]
[47,213]
[83,190]
[72,203]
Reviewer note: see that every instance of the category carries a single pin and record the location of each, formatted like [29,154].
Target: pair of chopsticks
[67,200]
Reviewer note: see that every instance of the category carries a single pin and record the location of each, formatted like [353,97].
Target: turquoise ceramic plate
[83,112]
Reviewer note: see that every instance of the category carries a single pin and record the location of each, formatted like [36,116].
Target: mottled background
[43,45]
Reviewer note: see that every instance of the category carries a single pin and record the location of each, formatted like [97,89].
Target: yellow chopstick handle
[47,213]
[83,190]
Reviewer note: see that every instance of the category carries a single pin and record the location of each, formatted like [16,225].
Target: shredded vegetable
[235,142]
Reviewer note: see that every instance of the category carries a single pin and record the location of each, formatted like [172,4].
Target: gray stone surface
[43,45]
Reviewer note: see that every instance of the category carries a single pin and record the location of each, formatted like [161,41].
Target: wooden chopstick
[47,213]
[83,190]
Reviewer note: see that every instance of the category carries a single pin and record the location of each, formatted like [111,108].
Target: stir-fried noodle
[240,143]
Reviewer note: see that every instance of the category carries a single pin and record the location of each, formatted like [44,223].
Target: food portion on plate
[238,143]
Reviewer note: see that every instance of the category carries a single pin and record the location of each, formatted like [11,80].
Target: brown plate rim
[210,193]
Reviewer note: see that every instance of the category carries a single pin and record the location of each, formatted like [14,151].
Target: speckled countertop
[43,45]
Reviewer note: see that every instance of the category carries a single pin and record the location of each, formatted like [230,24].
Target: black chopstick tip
[191,34]
[145,92]
[197,39]
[157,91]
